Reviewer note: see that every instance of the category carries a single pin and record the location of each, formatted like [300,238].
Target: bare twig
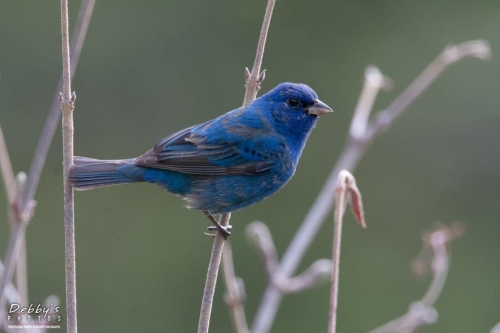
[477,49]
[67,105]
[349,159]
[346,189]
[15,248]
[374,81]
[253,81]
[317,273]
[255,78]
[422,312]
[213,270]
[49,129]
[260,236]
[235,291]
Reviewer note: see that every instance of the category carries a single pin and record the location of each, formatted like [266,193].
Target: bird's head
[295,107]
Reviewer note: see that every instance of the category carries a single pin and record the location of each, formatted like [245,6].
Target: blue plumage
[225,164]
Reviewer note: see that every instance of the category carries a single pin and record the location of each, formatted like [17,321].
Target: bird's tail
[88,173]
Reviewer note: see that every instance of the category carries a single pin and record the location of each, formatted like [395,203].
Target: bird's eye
[293,102]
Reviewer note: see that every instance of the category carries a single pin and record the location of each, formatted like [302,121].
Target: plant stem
[67,106]
[15,247]
[253,85]
[256,77]
[337,238]
[213,269]
[49,129]
[349,159]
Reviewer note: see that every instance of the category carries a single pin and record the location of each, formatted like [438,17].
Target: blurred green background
[149,68]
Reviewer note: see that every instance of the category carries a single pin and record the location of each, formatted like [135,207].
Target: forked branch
[353,151]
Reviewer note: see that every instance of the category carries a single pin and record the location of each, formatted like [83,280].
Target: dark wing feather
[187,153]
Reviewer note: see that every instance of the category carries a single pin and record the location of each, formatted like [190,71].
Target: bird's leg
[223,230]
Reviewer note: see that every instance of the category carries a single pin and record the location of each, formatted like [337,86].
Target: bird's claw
[223,230]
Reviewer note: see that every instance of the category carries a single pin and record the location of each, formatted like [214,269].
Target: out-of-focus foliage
[150,68]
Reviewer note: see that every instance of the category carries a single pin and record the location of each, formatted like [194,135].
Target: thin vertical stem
[67,106]
[15,247]
[256,77]
[49,129]
[213,270]
[337,237]
[254,80]
[21,274]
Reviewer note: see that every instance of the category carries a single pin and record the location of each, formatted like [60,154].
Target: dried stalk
[260,236]
[255,78]
[213,270]
[15,249]
[253,81]
[349,159]
[347,191]
[67,105]
[52,121]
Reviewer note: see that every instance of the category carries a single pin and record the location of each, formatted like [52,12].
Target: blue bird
[224,164]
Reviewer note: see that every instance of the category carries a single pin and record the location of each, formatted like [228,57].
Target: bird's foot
[225,231]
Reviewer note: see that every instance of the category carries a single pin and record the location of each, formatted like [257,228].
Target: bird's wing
[207,149]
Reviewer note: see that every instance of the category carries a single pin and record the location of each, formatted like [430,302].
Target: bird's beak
[319,108]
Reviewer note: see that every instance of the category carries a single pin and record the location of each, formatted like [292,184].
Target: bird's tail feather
[88,173]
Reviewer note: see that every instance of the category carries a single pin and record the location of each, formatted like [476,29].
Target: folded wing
[191,151]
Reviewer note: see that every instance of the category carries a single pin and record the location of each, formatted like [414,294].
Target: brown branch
[349,159]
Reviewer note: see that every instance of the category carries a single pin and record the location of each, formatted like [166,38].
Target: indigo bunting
[224,164]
